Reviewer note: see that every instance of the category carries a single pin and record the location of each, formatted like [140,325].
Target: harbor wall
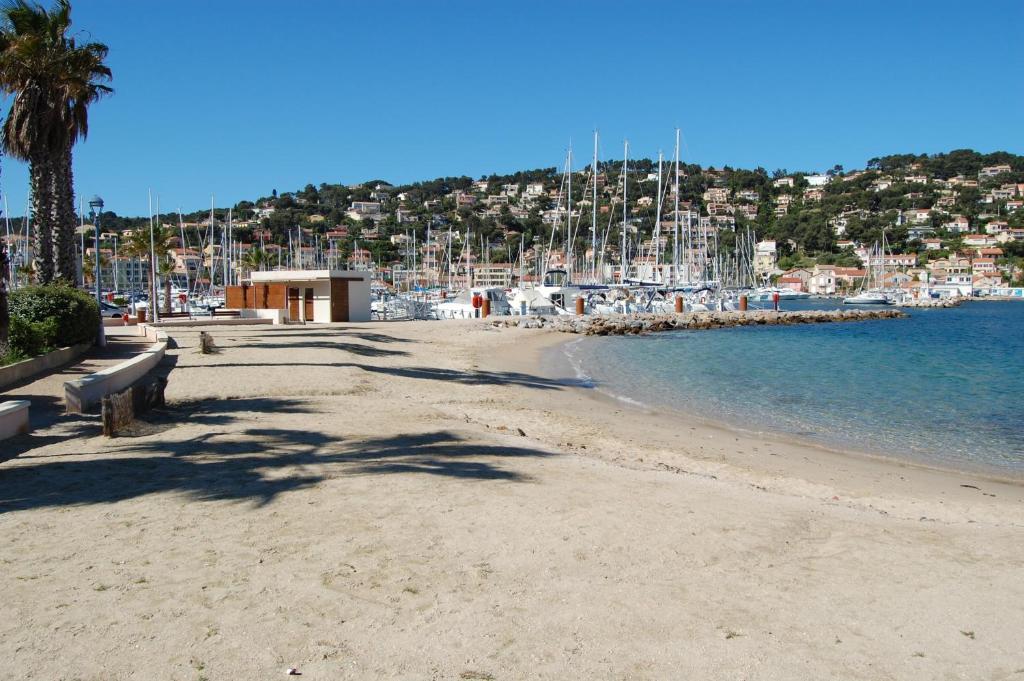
[619,325]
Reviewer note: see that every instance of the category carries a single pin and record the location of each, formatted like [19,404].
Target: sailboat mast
[184,247]
[154,307]
[593,216]
[568,215]
[10,260]
[625,212]
[675,214]
[657,225]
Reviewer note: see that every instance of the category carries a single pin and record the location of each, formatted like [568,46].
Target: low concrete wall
[83,394]
[111,322]
[276,316]
[214,321]
[13,418]
[19,371]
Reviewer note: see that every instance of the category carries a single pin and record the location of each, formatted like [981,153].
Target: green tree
[53,80]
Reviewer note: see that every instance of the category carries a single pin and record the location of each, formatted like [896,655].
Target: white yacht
[461,306]
[868,298]
[557,288]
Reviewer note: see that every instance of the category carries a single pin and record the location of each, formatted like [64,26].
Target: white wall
[321,301]
[359,300]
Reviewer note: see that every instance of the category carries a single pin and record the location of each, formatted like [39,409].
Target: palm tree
[137,246]
[165,267]
[89,267]
[255,259]
[53,80]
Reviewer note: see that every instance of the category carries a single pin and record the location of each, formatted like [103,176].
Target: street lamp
[96,207]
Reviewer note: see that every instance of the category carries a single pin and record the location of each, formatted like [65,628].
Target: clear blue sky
[239,98]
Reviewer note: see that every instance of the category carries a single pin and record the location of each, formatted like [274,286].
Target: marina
[431,341]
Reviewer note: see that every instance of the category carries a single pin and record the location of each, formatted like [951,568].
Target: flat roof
[307,275]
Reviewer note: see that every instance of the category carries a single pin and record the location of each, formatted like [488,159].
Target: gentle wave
[942,387]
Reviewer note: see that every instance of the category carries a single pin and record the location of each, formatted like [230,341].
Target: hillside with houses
[952,219]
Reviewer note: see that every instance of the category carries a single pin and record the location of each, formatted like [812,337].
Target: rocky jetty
[931,302]
[620,325]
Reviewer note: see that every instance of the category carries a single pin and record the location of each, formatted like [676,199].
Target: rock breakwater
[621,325]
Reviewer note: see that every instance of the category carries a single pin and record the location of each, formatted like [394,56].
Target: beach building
[304,295]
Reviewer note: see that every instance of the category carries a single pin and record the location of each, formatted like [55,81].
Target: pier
[622,325]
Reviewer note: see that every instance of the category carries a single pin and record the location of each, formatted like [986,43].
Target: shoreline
[416,500]
[793,464]
[553,360]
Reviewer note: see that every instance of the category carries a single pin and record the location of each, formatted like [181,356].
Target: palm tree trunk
[167,294]
[65,260]
[5,316]
[41,179]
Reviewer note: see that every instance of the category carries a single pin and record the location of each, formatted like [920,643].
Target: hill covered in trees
[810,215]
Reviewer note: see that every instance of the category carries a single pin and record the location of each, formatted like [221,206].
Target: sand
[417,501]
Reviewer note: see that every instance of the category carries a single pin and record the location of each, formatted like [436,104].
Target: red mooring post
[579,305]
[679,304]
[486,308]
[743,303]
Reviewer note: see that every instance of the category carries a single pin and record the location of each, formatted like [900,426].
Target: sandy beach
[417,500]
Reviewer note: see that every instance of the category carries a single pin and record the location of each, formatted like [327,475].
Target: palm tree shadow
[255,465]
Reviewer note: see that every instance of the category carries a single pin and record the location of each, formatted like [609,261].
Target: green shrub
[28,339]
[61,314]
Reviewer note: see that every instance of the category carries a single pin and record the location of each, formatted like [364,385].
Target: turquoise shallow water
[944,387]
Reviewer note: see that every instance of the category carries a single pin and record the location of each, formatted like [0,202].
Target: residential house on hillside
[493,274]
[361,259]
[796,278]
[1010,235]
[748,211]
[822,281]
[980,240]
[992,171]
[784,182]
[716,195]
[765,257]
[958,225]
[983,266]
[918,216]
[848,278]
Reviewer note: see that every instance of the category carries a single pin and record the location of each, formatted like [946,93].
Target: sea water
[942,387]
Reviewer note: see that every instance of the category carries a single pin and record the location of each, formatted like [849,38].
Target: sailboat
[874,295]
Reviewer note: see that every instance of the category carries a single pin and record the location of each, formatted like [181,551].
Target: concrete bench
[84,394]
[13,418]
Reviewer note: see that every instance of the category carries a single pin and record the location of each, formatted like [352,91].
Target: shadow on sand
[424,373]
[254,464]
